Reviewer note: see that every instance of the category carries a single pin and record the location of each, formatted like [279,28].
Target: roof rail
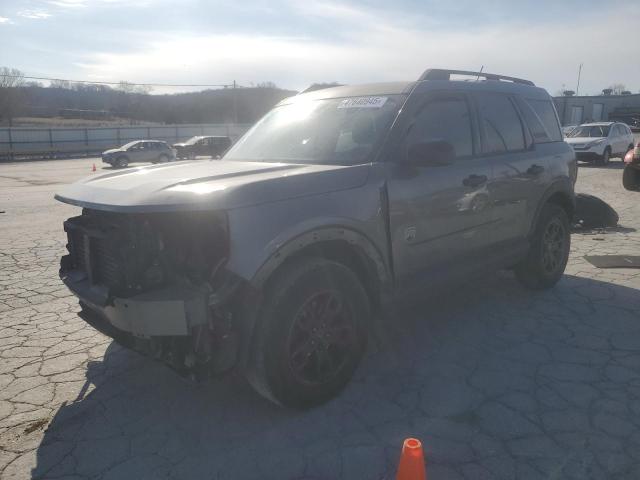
[442,74]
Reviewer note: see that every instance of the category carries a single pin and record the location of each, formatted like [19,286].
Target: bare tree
[127,87]
[266,85]
[56,83]
[617,88]
[11,98]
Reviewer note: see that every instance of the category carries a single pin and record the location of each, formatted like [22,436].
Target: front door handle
[535,170]
[474,180]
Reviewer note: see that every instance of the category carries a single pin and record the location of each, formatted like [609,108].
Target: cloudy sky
[294,43]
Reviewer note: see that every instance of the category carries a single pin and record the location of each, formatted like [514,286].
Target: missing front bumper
[171,311]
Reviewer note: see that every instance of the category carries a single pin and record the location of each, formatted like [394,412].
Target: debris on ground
[593,212]
[613,261]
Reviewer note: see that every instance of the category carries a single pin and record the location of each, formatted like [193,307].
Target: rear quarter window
[541,114]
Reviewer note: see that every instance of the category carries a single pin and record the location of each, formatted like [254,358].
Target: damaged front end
[156,283]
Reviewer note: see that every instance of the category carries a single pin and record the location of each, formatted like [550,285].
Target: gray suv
[334,206]
[153,151]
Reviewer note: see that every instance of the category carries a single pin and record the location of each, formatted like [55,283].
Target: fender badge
[410,234]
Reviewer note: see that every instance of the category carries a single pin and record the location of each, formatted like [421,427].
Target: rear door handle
[535,170]
[474,180]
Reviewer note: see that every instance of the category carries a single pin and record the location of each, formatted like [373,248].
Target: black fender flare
[321,235]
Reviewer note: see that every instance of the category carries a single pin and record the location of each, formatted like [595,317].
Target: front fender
[262,235]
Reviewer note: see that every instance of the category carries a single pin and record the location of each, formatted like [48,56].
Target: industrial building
[574,110]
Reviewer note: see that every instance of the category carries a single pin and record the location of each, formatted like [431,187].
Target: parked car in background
[567,129]
[334,204]
[212,146]
[631,172]
[153,151]
[600,141]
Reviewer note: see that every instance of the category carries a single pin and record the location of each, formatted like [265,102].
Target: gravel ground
[497,381]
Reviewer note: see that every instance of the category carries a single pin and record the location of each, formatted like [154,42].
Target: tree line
[22,98]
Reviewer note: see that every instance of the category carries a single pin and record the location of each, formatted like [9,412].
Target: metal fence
[18,142]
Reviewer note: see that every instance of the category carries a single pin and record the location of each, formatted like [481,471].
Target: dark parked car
[335,204]
[153,151]
[212,146]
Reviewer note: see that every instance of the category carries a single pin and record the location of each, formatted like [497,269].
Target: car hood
[111,151]
[216,184]
[582,140]
[181,144]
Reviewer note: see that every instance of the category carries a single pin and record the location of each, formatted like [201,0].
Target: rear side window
[445,119]
[501,123]
[546,113]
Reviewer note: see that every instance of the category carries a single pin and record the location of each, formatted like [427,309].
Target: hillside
[100,105]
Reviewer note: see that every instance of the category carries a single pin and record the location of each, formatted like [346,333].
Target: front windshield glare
[594,131]
[339,131]
[127,146]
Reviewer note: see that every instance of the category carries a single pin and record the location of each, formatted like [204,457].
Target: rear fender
[561,190]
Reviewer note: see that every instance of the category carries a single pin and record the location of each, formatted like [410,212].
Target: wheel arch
[343,245]
[559,193]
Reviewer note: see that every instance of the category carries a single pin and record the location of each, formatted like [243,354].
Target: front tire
[121,162]
[163,158]
[310,335]
[549,251]
[604,159]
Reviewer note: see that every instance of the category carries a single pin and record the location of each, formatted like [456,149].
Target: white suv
[600,141]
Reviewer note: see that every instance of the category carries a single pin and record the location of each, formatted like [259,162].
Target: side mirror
[431,154]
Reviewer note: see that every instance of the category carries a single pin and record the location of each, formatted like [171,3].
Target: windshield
[334,131]
[192,140]
[590,131]
[127,146]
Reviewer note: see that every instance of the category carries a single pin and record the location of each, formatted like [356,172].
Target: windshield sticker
[363,102]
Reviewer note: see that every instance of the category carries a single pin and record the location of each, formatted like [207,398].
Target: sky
[295,43]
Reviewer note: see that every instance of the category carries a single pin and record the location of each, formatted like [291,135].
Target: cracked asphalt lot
[497,381]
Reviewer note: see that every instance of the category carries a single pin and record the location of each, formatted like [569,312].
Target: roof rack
[442,74]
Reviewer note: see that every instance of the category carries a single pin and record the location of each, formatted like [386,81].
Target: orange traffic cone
[411,461]
[94,168]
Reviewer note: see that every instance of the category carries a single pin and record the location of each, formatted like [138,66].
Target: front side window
[445,119]
[501,123]
[593,131]
[336,131]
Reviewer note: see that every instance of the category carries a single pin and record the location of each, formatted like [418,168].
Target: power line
[224,85]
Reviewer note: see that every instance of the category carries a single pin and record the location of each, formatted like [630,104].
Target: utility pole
[235,104]
[578,86]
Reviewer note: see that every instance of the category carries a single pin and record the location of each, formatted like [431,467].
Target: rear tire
[310,334]
[631,178]
[549,251]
